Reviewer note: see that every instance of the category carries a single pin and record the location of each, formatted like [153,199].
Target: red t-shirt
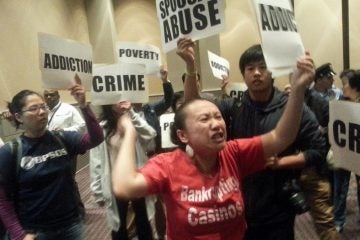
[202,207]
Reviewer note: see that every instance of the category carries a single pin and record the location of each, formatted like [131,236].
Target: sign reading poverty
[166,120]
[344,134]
[118,82]
[219,66]
[190,18]
[138,53]
[61,59]
[281,42]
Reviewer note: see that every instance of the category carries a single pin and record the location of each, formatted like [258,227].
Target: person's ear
[18,117]
[182,136]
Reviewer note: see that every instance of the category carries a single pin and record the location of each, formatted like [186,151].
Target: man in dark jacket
[269,212]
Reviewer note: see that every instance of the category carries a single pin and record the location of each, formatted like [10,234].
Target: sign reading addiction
[276,21]
[118,82]
[61,59]
[344,134]
[138,53]
[219,66]
[193,18]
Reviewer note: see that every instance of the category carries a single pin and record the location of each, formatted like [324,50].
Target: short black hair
[353,77]
[252,54]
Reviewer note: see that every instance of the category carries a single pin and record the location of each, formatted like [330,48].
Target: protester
[153,110]
[351,88]
[37,190]
[270,213]
[64,117]
[102,159]
[215,167]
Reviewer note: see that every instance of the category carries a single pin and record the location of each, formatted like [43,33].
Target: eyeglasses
[36,109]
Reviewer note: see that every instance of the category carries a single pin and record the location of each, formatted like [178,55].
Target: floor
[96,228]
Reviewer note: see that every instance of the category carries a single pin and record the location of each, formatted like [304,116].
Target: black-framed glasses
[36,108]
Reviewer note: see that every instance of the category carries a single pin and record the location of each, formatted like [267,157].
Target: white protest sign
[61,59]
[195,19]
[166,120]
[138,53]
[236,89]
[281,42]
[344,134]
[117,82]
[219,66]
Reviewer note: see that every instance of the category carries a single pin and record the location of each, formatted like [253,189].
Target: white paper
[344,130]
[197,20]
[166,120]
[281,42]
[61,59]
[236,89]
[139,53]
[119,82]
[219,66]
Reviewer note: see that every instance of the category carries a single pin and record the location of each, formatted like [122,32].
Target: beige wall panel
[241,32]
[321,30]
[136,21]
[20,21]
[354,7]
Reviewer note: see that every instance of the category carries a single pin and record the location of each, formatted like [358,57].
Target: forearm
[94,136]
[290,162]
[9,217]
[124,175]
[288,126]
[191,90]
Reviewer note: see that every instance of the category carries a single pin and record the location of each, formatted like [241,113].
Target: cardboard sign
[61,59]
[195,19]
[166,120]
[281,42]
[344,134]
[236,89]
[219,66]
[118,82]
[138,53]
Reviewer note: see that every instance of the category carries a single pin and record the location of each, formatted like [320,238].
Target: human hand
[224,82]
[163,73]
[304,74]
[78,92]
[29,237]
[7,115]
[186,50]
[272,162]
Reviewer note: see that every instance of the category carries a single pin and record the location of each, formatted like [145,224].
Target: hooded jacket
[265,200]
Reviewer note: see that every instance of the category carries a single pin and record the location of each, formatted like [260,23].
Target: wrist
[191,72]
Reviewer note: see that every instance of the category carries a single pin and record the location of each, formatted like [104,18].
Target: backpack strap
[16,150]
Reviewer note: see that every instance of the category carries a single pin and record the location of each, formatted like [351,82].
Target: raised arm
[287,128]
[94,136]
[126,181]
[186,50]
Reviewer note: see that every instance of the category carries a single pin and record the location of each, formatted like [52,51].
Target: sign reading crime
[138,53]
[219,66]
[61,59]
[344,134]
[236,89]
[192,18]
[281,42]
[118,82]
[166,120]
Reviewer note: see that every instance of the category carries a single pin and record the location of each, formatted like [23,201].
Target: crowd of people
[237,171]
